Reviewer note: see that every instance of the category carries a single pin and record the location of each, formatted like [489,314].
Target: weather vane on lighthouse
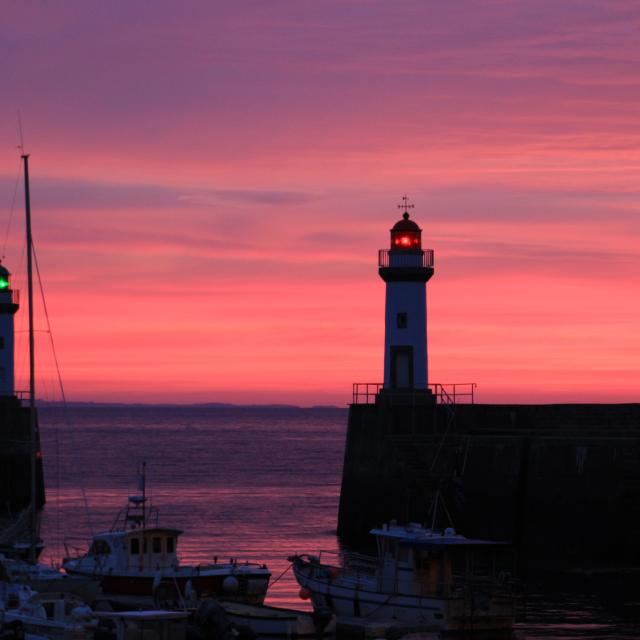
[406,206]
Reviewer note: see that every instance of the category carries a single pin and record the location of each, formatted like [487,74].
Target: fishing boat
[437,580]
[137,557]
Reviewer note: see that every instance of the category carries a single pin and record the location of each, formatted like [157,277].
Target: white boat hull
[209,581]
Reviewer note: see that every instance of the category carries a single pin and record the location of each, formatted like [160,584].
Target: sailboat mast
[32,385]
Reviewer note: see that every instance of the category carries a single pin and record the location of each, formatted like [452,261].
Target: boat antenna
[32,386]
[21,145]
[143,481]
[439,501]
[434,508]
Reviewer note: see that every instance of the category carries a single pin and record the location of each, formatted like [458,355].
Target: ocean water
[258,484]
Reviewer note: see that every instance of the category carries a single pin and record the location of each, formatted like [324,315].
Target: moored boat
[136,558]
[277,622]
[44,578]
[52,615]
[152,625]
[435,580]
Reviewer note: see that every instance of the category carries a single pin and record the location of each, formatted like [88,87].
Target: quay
[559,481]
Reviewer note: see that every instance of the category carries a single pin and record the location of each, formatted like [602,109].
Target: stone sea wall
[562,482]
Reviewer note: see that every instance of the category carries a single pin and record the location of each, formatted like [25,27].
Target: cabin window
[1,342]
[423,561]
[403,554]
[135,546]
[170,545]
[99,548]
[157,545]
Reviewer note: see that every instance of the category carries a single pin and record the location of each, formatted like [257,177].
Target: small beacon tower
[8,307]
[405,267]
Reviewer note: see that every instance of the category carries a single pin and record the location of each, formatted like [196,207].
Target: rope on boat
[63,395]
[280,576]
[382,604]
[182,598]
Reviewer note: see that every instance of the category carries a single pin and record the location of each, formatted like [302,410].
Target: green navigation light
[4,284]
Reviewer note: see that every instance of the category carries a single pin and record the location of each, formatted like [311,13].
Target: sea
[257,484]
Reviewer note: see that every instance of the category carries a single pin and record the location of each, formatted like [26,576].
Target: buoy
[82,611]
[230,585]
[305,593]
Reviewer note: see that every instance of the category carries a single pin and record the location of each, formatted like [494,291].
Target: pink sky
[211,182]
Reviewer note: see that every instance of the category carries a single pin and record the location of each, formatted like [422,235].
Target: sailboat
[19,535]
[20,542]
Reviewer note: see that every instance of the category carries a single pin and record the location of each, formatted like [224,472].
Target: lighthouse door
[402,367]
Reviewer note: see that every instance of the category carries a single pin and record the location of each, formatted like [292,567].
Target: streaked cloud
[211,184]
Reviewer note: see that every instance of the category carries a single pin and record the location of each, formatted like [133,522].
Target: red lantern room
[406,235]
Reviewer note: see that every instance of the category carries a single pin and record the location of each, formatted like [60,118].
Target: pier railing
[454,392]
[14,295]
[451,394]
[408,259]
[365,392]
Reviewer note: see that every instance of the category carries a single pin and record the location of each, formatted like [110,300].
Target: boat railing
[350,560]
[502,582]
[74,549]
[132,517]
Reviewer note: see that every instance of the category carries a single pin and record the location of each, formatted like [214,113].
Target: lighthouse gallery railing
[405,259]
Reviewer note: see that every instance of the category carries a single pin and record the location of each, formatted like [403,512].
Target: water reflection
[260,485]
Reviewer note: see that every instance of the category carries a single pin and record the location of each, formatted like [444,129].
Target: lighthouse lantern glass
[4,282]
[406,240]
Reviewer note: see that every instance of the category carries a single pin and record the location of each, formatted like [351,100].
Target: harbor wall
[561,482]
[15,459]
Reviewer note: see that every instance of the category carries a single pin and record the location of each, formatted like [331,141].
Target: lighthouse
[8,307]
[405,268]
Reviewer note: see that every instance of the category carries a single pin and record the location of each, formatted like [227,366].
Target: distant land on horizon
[203,405]
[231,405]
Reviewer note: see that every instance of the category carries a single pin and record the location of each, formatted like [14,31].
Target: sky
[211,182]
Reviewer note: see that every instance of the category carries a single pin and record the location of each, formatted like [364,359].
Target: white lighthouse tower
[405,267]
[8,307]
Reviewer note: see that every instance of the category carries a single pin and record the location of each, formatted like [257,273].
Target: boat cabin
[137,549]
[419,561]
